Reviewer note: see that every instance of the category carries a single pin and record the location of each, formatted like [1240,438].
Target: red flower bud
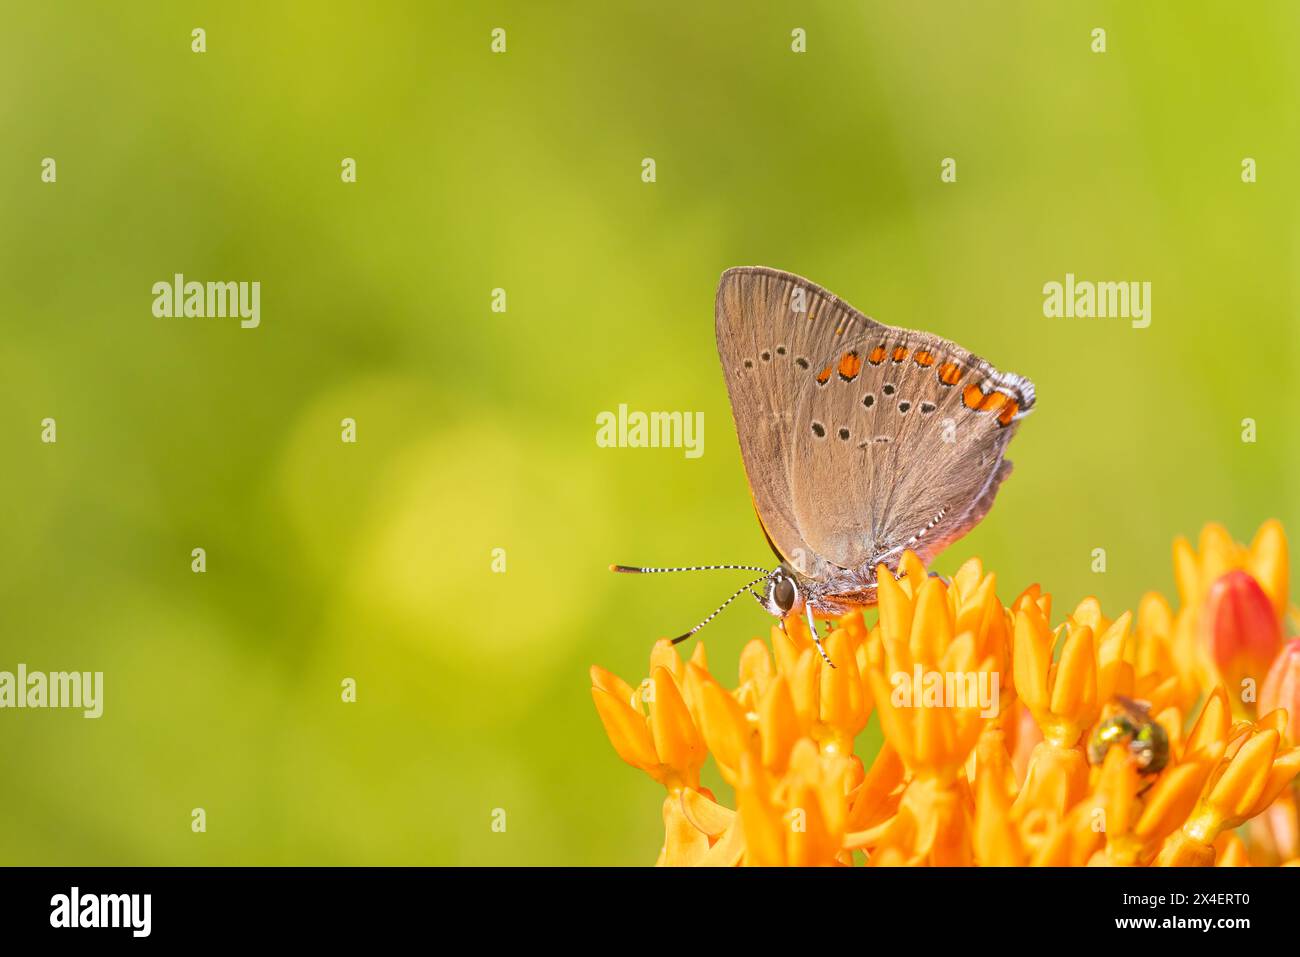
[1241,631]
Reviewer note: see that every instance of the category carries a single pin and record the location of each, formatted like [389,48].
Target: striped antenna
[641,570]
[740,591]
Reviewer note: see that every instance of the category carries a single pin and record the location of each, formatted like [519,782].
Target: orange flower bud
[1240,629]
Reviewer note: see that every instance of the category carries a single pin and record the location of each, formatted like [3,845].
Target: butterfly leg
[817,639]
[943,578]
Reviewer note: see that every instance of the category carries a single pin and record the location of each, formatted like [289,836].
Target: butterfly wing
[901,446]
[772,333]
[886,439]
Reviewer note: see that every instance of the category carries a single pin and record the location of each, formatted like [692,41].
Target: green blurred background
[476,430]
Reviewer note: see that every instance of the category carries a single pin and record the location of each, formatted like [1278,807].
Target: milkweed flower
[1275,834]
[918,630]
[1281,689]
[1037,773]
[1245,781]
[1266,560]
[1158,676]
[651,727]
[797,818]
[1065,695]
[936,638]
[1135,823]
[1233,608]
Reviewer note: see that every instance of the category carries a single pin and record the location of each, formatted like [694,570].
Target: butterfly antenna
[739,591]
[642,570]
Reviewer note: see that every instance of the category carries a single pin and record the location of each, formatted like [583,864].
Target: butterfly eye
[783,594]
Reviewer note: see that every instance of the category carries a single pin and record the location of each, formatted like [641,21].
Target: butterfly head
[781,593]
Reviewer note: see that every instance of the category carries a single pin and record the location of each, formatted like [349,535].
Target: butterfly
[859,440]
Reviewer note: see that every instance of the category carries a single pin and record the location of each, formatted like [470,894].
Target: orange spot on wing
[993,401]
[824,375]
[972,397]
[1008,412]
[877,356]
[949,373]
[924,358]
[850,366]
[900,353]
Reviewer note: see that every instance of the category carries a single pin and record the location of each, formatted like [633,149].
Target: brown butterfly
[860,440]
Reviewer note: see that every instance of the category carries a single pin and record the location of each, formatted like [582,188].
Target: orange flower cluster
[1007,740]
